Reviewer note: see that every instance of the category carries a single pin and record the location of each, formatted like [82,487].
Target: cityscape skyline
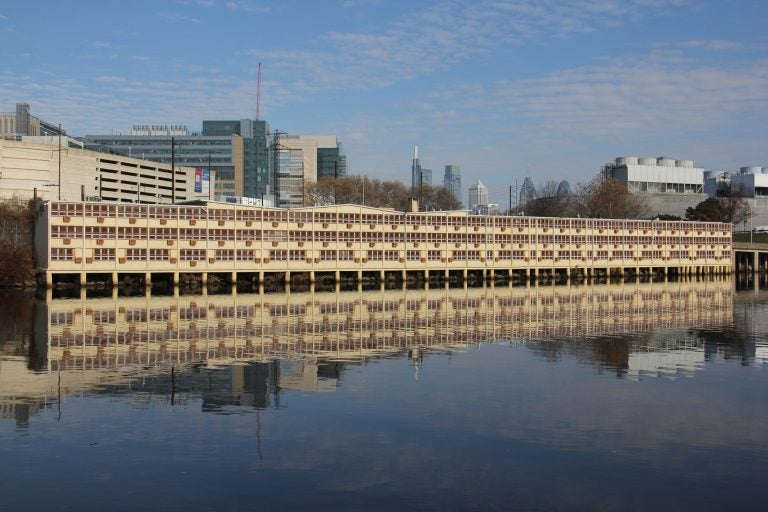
[504,90]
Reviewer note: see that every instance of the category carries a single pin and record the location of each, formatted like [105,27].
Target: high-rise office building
[527,191]
[426,176]
[331,160]
[478,195]
[452,180]
[415,168]
[237,152]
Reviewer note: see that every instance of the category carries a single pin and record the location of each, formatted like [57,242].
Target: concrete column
[312,279]
[48,280]
[83,278]
[233,278]
[261,278]
[382,276]
[204,278]
[464,274]
[175,279]
[360,276]
[114,278]
[404,275]
[337,276]
[148,279]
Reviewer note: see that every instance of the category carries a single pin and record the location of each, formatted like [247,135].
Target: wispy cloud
[712,44]
[453,31]
[244,5]
[111,79]
[174,17]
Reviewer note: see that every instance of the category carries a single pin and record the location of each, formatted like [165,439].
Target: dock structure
[86,241]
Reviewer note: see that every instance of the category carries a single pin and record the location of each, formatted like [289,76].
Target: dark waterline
[622,396]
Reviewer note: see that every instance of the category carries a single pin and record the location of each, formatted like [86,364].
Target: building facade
[81,238]
[331,160]
[415,169]
[235,151]
[43,170]
[657,175]
[478,195]
[452,180]
[21,122]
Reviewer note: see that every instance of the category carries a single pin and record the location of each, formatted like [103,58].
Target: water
[593,397]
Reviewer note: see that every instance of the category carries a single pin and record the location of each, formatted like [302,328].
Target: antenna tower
[258,92]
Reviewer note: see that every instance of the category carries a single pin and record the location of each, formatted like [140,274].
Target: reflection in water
[302,341]
[465,399]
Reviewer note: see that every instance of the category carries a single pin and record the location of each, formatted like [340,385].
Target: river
[620,396]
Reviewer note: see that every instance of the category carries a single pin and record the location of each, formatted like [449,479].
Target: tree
[377,193]
[709,210]
[607,198]
[733,210]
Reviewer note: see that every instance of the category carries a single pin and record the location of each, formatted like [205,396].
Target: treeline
[377,193]
[608,198]
[601,198]
[17,255]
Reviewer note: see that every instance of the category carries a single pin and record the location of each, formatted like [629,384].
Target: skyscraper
[478,195]
[426,176]
[415,169]
[452,180]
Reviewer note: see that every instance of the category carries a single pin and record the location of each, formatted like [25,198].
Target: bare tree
[607,198]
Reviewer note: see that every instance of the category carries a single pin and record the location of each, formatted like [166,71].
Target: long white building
[99,238]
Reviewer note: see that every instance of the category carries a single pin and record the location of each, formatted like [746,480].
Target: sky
[550,89]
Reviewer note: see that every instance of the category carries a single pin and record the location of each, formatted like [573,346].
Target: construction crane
[258,92]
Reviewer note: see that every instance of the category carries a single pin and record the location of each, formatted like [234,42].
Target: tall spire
[415,152]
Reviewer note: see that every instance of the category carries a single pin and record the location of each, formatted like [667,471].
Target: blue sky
[546,88]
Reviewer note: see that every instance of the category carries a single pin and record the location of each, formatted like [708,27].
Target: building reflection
[241,350]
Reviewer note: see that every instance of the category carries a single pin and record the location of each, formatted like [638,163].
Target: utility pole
[210,173]
[173,171]
[59,161]
[276,148]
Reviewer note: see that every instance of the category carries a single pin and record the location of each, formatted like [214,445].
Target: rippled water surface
[631,396]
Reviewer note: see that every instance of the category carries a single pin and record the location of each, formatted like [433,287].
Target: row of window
[132,232]
[283,215]
[140,254]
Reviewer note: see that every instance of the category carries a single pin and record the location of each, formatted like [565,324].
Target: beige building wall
[30,168]
[220,237]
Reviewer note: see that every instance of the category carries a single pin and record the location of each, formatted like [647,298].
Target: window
[159,255]
[192,254]
[244,254]
[104,254]
[136,254]
[225,254]
[296,255]
[66,231]
[278,254]
[61,254]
